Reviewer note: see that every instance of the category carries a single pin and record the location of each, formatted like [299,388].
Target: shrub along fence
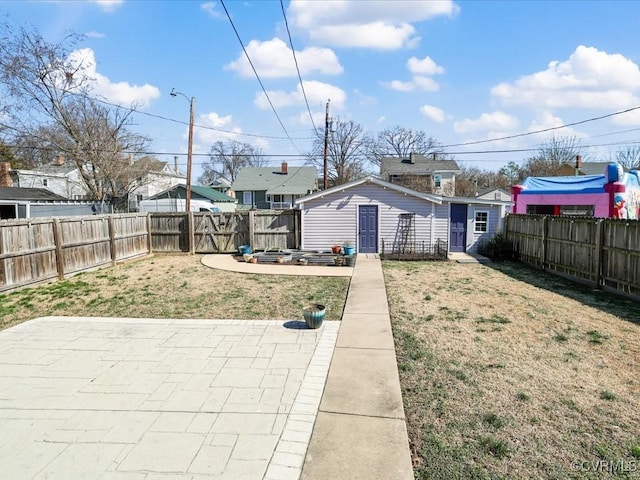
[42,249]
[601,252]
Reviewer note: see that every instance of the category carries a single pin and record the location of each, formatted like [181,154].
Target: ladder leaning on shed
[405,238]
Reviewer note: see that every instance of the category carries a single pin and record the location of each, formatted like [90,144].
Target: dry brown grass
[175,287]
[507,372]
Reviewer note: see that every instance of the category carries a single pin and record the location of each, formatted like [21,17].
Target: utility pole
[190,155]
[326,146]
[190,147]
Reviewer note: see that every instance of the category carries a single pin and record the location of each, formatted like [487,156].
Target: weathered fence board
[36,250]
[600,252]
[225,232]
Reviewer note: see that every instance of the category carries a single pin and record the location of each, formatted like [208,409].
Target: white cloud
[108,5]
[93,34]
[366,24]
[118,92]
[212,9]
[419,69]
[317,94]
[434,113]
[629,118]
[426,66]
[497,120]
[590,78]
[545,120]
[418,83]
[273,59]
[207,136]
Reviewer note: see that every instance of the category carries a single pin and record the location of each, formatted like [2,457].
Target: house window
[437,181]
[45,182]
[247,198]
[482,222]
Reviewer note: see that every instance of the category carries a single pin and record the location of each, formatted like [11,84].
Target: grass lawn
[175,287]
[507,372]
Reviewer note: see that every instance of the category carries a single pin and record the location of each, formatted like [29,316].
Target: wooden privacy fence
[601,252]
[224,232]
[36,250]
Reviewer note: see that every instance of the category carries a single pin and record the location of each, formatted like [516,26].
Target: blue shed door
[368,228]
[458,228]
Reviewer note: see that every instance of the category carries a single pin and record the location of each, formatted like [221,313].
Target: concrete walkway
[360,430]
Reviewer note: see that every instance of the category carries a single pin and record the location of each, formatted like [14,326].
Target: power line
[295,59]
[264,90]
[508,137]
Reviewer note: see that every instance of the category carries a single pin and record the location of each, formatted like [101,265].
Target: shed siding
[493,225]
[441,223]
[333,219]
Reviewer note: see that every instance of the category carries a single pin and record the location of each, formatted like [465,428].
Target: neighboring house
[224,202]
[222,185]
[152,176]
[369,211]
[494,194]
[614,194]
[421,173]
[61,177]
[275,189]
[587,168]
[16,202]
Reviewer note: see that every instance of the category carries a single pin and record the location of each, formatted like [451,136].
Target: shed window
[482,221]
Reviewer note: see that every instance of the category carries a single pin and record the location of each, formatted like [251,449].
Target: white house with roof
[420,172]
[370,212]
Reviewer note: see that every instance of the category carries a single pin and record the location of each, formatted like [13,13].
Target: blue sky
[463,71]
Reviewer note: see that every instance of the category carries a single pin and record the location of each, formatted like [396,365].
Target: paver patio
[141,399]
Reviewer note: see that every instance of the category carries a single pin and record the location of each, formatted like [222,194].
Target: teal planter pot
[349,249]
[314,315]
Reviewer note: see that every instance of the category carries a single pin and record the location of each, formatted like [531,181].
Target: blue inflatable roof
[581,184]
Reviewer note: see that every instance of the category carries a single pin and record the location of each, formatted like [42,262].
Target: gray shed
[370,211]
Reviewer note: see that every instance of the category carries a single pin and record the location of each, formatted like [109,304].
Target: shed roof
[297,180]
[437,199]
[34,194]
[377,181]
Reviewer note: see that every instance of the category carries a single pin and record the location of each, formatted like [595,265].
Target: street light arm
[190,147]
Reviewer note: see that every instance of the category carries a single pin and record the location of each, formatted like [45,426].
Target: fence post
[112,240]
[149,236]
[543,240]
[191,233]
[252,228]
[597,267]
[57,240]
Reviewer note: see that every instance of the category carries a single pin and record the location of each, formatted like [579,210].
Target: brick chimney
[285,168]
[59,160]
[578,164]
[5,175]
[412,158]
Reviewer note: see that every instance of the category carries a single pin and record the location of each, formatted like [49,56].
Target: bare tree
[400,142]
[346,152]
[552,154]
[629,157]
[51,104]
[226,160]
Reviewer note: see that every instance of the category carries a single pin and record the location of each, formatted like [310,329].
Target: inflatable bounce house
[615,194]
